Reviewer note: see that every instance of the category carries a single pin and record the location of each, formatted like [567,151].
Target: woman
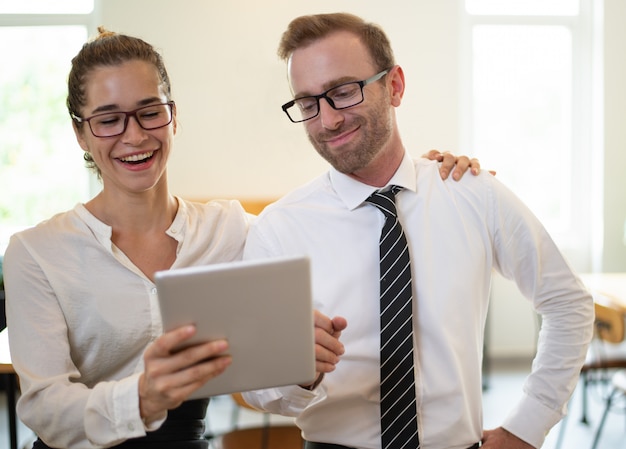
[85,328]
[84,325]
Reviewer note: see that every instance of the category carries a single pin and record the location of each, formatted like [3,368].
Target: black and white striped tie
[398,408]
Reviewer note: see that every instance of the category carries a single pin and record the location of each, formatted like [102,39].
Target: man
[346,86]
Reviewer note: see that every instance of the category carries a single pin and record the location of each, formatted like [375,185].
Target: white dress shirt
[80,315]
[457,233]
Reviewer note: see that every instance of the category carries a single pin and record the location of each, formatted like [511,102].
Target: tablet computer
[262,307]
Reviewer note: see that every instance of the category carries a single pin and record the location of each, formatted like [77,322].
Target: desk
[612,284]
[608,290]
[9,378]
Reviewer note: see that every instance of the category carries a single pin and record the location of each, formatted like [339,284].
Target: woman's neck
[151,210]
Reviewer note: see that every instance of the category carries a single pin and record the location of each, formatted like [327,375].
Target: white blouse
[80,315]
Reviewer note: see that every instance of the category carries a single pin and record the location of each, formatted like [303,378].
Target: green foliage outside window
[41,166]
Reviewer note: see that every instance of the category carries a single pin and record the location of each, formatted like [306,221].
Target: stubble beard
[376,129]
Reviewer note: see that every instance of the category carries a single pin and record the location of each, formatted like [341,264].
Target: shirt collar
[103,231]
[177,229]
[353,193]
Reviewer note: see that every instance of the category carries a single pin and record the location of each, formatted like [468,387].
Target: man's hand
[502,439]
[328,348]
[170,376]
[451,163]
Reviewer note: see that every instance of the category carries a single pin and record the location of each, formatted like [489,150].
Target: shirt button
[174,231]
[131,426]
[153,291]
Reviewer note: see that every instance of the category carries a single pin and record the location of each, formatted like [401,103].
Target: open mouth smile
[137,158]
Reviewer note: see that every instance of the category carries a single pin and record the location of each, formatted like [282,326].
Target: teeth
[137,157]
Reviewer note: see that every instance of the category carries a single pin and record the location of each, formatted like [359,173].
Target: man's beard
[375,129]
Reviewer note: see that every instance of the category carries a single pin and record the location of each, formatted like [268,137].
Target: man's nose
[330,117]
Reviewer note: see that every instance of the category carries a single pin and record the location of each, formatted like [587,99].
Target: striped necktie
[398,408]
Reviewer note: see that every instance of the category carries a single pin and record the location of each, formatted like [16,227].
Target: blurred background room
[533,88]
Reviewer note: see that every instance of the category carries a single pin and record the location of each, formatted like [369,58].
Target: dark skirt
[183,429]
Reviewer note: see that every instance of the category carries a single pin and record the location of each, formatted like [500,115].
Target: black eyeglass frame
[324,95]
[127,114]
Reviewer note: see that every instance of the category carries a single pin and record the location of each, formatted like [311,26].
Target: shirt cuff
[126,398]
[531,421]
[112,412]
[156,424]
[286,401]
[131,412]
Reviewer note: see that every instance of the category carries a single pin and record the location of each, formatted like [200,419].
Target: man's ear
[395,80]
[174,119]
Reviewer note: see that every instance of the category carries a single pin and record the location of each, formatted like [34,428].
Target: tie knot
[385,201]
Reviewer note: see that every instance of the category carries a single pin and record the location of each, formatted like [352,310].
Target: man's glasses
[339,97]
[110,124]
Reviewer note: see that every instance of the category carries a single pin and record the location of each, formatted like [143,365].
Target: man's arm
[525,253]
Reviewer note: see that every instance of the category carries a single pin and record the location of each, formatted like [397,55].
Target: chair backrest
[609,323]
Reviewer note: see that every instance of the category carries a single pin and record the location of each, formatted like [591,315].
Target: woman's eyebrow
[116,107]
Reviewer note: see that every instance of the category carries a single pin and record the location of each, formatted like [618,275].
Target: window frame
[88,20]
[576,242]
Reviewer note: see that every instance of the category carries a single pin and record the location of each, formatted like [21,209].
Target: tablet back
[262,307]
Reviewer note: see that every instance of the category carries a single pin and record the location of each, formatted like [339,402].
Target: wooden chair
[609,321]
[267,436]
[606,354]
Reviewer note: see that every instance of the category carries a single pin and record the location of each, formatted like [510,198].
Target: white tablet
[262,307]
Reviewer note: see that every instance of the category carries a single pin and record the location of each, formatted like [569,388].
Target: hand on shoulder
[457,165]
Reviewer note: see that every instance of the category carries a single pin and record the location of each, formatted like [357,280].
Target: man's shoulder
[309,193]
[427,172]
[211,208]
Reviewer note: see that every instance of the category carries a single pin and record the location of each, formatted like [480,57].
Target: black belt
[314,445]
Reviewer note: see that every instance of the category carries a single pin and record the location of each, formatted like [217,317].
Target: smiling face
[136,160]
[360,140]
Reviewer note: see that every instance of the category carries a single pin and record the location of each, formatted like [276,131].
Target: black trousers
[183,429]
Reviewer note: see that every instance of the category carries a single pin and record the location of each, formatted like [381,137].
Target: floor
[503,386]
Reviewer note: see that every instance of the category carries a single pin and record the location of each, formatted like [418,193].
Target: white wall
[229,85]
[234,140]
[614,254]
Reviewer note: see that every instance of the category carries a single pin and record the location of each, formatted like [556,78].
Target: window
[523,7]
[527,109]
[41,167]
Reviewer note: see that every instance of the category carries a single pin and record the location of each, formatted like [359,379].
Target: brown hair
[304,30]
[108,49]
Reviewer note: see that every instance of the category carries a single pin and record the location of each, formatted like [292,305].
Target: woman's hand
[457,165]
[170,376]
